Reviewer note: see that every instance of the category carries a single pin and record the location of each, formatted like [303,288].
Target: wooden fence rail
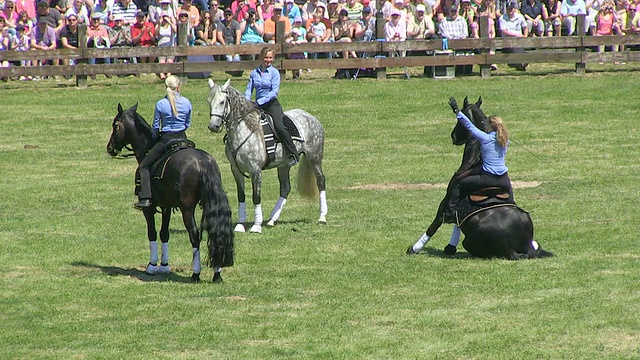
[564,49]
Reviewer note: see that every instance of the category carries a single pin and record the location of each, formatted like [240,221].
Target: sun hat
[395,12]
[118,17]
[96,15]
[277,6]
[297,18]
[421,7]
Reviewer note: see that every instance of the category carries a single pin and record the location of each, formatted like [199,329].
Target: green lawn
[73,250]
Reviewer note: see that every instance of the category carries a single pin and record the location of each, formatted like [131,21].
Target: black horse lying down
[189,177]
[500,228]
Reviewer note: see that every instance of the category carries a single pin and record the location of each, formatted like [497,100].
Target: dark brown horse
[189,177]
[501,231]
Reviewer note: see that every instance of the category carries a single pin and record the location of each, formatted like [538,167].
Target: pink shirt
[27,5]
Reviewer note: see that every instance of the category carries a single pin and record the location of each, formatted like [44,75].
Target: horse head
[118,133]
[219,108]
[460,135]
[129,128]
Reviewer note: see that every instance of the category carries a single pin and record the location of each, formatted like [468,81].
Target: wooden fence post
[483,24]
[81,79]
[183,40]
[580,31]
[381,73]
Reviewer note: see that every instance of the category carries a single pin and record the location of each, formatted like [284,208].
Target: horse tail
[306,179]
[216,218]
[538,253]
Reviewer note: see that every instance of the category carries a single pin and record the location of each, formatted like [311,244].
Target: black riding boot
[144,197]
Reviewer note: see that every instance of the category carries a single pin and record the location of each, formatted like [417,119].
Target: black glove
[454,105]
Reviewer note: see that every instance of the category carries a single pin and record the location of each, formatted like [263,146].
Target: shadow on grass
[439,253]
[134,273]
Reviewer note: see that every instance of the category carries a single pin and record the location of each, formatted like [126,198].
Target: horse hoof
[217,278]
[152,269]
[195,278]
[164,269]
[256,229]
[322,220]
[271,223]
[410,251]
[239,228]
[450,250]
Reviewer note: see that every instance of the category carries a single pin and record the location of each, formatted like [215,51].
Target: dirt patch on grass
[402,186]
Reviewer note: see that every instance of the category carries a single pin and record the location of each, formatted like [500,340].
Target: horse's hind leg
[320,181]
[188,217]
[285,188]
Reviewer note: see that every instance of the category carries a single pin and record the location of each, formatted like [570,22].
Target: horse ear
[134,108]
[466,102]
[211,84]
[226,85]
[119,108]
[479,102]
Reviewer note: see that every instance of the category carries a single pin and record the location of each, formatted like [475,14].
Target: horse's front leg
[242,205]
[256,184]
[285,188]
[188,217]
[152,267]
[152,235]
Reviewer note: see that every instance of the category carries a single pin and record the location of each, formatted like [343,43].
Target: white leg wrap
[257,222]
[217,269]
[277,210]
[323,203]
[242,212]
[455,236]
[153,250]
[422,241]
[165,253]
[535,245]
[197,267]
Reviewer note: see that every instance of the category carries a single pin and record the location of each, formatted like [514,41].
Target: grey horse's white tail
[306,179]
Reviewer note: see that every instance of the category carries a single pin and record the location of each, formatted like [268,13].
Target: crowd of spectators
[53,24]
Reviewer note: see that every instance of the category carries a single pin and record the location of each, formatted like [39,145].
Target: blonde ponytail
[173,86]
[502,134]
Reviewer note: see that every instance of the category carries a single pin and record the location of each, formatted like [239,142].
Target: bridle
[224,118]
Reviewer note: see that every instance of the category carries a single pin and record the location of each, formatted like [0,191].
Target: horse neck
[471,156]
[241,111]
[139,141]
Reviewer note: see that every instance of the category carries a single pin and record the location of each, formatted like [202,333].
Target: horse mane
[141,125]
[241,108]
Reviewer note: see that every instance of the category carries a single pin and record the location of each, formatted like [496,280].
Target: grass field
[73,249]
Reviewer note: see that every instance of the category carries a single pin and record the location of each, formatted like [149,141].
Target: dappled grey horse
[247,153]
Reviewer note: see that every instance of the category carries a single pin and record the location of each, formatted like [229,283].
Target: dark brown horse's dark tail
[216,218]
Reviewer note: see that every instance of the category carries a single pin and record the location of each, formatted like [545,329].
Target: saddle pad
[467,208]
[270,138]
[173,147]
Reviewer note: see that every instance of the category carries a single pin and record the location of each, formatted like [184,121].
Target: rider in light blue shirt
[265,80]
[494,171]
[170,120]
[493,154]
[164,121]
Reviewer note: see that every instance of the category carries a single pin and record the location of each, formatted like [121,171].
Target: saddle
[271,139]
[480,200]
[157,170]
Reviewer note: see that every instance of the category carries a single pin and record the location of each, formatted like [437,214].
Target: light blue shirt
[163,119]
[493,154]
[267,84]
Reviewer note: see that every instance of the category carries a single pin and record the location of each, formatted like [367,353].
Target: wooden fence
[564,49]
